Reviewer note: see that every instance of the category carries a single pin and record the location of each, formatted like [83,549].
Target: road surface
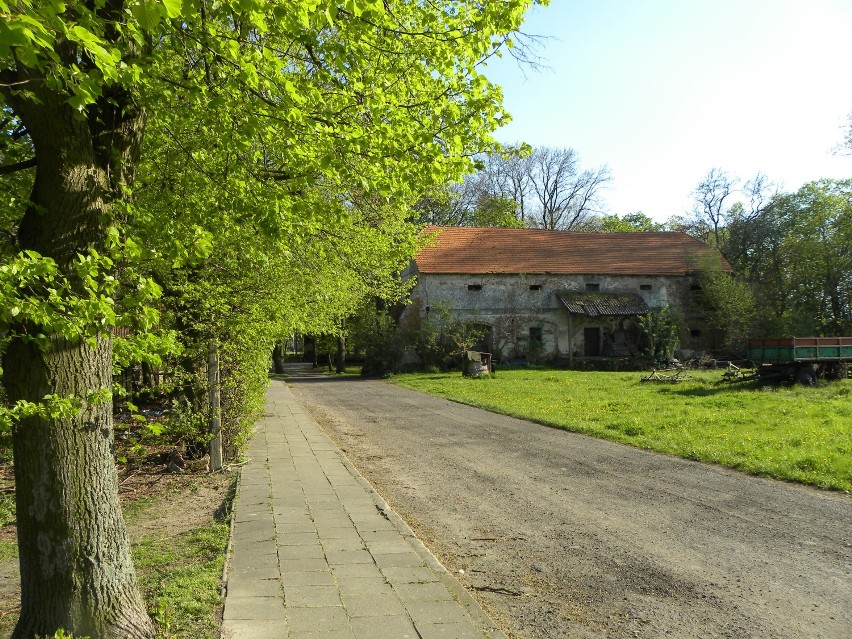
[561,535]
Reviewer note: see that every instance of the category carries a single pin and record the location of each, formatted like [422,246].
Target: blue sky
[664,90]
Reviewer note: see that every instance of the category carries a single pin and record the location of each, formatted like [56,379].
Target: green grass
[789,432]
[181,580]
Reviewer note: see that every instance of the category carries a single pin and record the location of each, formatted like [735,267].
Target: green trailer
[801,358]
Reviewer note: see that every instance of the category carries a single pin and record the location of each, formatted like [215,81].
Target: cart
[803,359]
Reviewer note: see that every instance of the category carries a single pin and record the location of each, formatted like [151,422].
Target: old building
[557,295]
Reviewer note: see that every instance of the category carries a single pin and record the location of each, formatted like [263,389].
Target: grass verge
[179,527]
[181,580]
[180,570]
[790,432]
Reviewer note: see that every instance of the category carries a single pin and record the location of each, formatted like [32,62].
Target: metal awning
[604,304]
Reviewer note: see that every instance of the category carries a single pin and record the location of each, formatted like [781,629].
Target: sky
[662,91]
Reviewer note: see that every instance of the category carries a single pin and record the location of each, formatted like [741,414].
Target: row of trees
[545,188]
[199,173]
[790,252]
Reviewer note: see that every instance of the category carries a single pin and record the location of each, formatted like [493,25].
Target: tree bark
[76,567]
[341,354]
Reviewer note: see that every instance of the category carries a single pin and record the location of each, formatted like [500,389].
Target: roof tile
[477,250]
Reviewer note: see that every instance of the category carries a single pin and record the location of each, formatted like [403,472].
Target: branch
[18,166]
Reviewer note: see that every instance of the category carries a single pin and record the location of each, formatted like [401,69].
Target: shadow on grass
[720,388]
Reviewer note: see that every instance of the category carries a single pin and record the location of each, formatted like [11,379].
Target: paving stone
[267,572]
[311,596]
[372,605]
[385,628]
[324,634]
[353,542]
[317,619]
[312,578]
[259,608]
[290,528]
[298,539]
[254,629]
[430,591]
[398,560]
[338,557]
[365,586]
[388,547]
[354,571]
[330,521]
[379,535]
[248,563]
[240,587]
[436,612]
[305,551]
[416,575]
[302,565]
[449,631]
[338,532]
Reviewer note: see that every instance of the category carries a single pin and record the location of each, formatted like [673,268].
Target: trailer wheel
[806,376]
[837,370]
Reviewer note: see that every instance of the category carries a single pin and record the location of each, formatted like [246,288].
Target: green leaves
[149,13]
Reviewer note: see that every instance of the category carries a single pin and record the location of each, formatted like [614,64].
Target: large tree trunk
[76,568]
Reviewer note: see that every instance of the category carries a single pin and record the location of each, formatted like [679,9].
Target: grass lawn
[788,432]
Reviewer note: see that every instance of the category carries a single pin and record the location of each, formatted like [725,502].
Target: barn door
[592,341]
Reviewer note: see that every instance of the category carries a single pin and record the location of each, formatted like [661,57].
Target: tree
[564,194]
[818,257]
[792,250]
[632,222]
[729,307]
[305,97]
[466,203]
[846,145]
[711,196]
[506,174]
[660,329]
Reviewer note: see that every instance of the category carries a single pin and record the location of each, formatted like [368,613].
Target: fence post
[215,413]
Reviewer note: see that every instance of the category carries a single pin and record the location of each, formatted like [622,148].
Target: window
[645,287]
[535,336]
[695,332]
[695,286]
[535,287]
[474,287]
[593,288]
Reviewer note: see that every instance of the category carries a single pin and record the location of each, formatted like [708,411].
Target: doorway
[592,341]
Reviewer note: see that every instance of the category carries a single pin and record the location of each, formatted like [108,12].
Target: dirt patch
[560,535]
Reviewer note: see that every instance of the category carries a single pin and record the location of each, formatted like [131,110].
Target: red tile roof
[466,249]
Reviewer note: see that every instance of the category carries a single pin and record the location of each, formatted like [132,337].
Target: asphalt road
[561,535]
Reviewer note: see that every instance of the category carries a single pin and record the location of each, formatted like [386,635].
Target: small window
[695,286]
[535,335]
[695,332]
[593,288]
[535,287]
[645,287]
[474,287]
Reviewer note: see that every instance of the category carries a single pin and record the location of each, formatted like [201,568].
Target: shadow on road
[299,373]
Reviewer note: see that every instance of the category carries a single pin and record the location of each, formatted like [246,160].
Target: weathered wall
[509,305]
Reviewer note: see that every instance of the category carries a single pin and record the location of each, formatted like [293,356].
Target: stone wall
[526,316]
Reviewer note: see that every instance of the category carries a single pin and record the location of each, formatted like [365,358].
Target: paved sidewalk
[317,553]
